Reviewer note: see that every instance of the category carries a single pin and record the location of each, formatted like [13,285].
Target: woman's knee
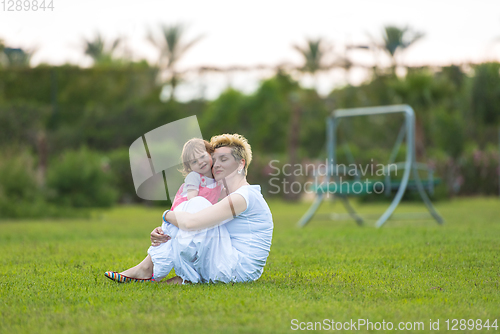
[196,204]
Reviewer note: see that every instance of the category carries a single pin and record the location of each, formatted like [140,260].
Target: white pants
[198,256]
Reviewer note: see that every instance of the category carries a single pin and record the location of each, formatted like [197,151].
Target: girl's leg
[185,240]
[142,270]
[184,244]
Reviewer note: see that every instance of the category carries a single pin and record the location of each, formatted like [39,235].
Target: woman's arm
[210,216]
[223,193]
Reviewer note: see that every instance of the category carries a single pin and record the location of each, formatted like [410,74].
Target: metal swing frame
[410,165]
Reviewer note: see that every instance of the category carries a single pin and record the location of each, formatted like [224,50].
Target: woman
[238,229]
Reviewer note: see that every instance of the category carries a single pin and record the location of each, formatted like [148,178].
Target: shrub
[479,170]
[81,179]
[119,163]
[18,184]
[21,195]
[20,122]
[18,176]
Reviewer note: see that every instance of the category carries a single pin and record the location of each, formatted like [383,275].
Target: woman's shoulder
[252,193]
[249,189]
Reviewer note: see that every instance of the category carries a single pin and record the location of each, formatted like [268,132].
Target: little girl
[197,167]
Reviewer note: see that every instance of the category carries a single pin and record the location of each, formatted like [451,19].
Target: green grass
[52,274]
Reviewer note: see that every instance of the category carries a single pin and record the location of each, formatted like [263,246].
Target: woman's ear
[241,166]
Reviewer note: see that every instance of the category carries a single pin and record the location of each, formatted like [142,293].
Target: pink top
[207,188]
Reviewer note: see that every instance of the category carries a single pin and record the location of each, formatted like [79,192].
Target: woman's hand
[158,237]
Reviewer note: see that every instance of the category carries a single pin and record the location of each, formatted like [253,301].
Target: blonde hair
[240,149]
[190,148]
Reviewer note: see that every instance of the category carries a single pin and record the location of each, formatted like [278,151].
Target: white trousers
[197,256]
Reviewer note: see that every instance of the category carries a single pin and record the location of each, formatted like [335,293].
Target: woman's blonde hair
[190,148]
[240,149]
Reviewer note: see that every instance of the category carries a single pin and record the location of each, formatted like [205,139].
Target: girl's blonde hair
[190,148]
[240,148]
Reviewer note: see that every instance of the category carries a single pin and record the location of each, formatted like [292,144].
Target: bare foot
[175,280]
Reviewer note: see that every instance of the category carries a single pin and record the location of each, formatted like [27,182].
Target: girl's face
[224,163]
[201,163]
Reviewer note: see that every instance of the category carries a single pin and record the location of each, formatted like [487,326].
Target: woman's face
[224,163]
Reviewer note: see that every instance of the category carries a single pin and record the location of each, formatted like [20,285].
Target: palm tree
[314,62]
[172,47]
[99,50]
[398,39]
[314,57]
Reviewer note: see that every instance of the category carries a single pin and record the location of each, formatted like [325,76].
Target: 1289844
[27,5]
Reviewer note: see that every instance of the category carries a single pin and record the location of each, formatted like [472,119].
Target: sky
[260,32]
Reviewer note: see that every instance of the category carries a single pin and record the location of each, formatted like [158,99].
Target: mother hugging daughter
[204,240]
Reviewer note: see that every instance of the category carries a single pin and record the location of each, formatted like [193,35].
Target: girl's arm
[208,217]
[192,193]
[192,184]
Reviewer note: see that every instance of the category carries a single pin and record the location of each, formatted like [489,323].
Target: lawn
[408,271]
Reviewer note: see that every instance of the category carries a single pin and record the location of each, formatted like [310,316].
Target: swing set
[410,179]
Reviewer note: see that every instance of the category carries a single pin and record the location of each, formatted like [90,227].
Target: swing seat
[412,184]
[360,187]
[348,188]
[366,187]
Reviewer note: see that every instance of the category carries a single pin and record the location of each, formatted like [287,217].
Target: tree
[101,52]
[314,61]
[172,47]
[14,57]
[424,92]
[485,93]
[398,39]
[3,57]
[314,57]
[484,97]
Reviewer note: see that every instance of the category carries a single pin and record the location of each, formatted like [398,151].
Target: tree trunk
[293,145]
[173,82]
[41,146]
[419,140]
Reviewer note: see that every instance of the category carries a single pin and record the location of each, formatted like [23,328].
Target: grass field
[408,271]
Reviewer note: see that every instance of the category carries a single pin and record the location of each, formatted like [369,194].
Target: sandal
[113,275]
